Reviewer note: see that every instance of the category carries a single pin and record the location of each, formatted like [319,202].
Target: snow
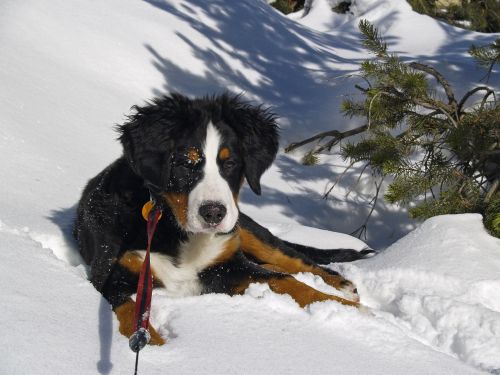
[442,283]
[421,319]
[69,71]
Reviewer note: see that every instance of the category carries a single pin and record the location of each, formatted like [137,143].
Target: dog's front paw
[350,290]
[126,314]
[344,285]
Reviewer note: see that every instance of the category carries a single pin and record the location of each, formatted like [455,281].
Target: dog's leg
[303,294]
[121,284]
[236,274]
[125,314]
[291,262]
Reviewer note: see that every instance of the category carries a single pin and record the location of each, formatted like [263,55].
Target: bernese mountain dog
[193,155]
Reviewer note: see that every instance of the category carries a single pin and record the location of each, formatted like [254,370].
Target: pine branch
[487,56]
[372,39]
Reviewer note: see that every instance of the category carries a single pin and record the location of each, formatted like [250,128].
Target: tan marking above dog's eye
[224,153]
[193,155]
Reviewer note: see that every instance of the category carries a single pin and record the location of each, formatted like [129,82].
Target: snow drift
[427,305]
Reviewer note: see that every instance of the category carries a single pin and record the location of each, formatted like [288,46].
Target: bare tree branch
[491,191]
[361,231]
[440,106]
[353,186]
[490,68]
[337,180]
[472,92]
[440,78]
[337,135]
[362,89]
[485,97]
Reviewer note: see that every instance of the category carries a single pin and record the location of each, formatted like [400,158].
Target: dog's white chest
[181,278]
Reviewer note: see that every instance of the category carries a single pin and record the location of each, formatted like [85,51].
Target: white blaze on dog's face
[211,204]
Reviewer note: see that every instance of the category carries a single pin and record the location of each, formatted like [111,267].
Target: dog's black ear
[258,132]
[151,165]
[146,138]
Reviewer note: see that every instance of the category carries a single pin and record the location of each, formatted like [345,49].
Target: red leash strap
[141,335]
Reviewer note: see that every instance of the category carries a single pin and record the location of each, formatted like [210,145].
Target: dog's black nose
[212,212]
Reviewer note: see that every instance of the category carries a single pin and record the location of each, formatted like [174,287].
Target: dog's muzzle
[212,212]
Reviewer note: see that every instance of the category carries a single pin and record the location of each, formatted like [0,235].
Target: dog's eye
[187,163]
[187,166]
[229,165]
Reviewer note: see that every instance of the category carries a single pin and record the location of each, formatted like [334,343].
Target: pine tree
[443,154]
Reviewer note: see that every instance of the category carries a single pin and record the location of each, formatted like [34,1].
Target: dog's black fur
[156,140]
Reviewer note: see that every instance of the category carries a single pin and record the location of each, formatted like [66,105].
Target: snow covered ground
[69,71]
[433,298]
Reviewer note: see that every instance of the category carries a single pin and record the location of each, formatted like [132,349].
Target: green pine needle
[371,39]
[486,55]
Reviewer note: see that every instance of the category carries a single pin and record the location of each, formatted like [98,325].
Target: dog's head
[196,154]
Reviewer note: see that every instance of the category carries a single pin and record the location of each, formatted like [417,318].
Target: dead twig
[472,92]
[361,231]
[337,180]
[357,180]
[440,78]
[337,135]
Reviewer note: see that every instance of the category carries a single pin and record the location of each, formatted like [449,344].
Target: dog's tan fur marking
[267,254]
[232,245]
[224,153]
[270,255]
[193,155]
[178,202]
[131,261]
[126,315]
[302,294]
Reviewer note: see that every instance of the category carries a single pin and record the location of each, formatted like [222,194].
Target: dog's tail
[326,256]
